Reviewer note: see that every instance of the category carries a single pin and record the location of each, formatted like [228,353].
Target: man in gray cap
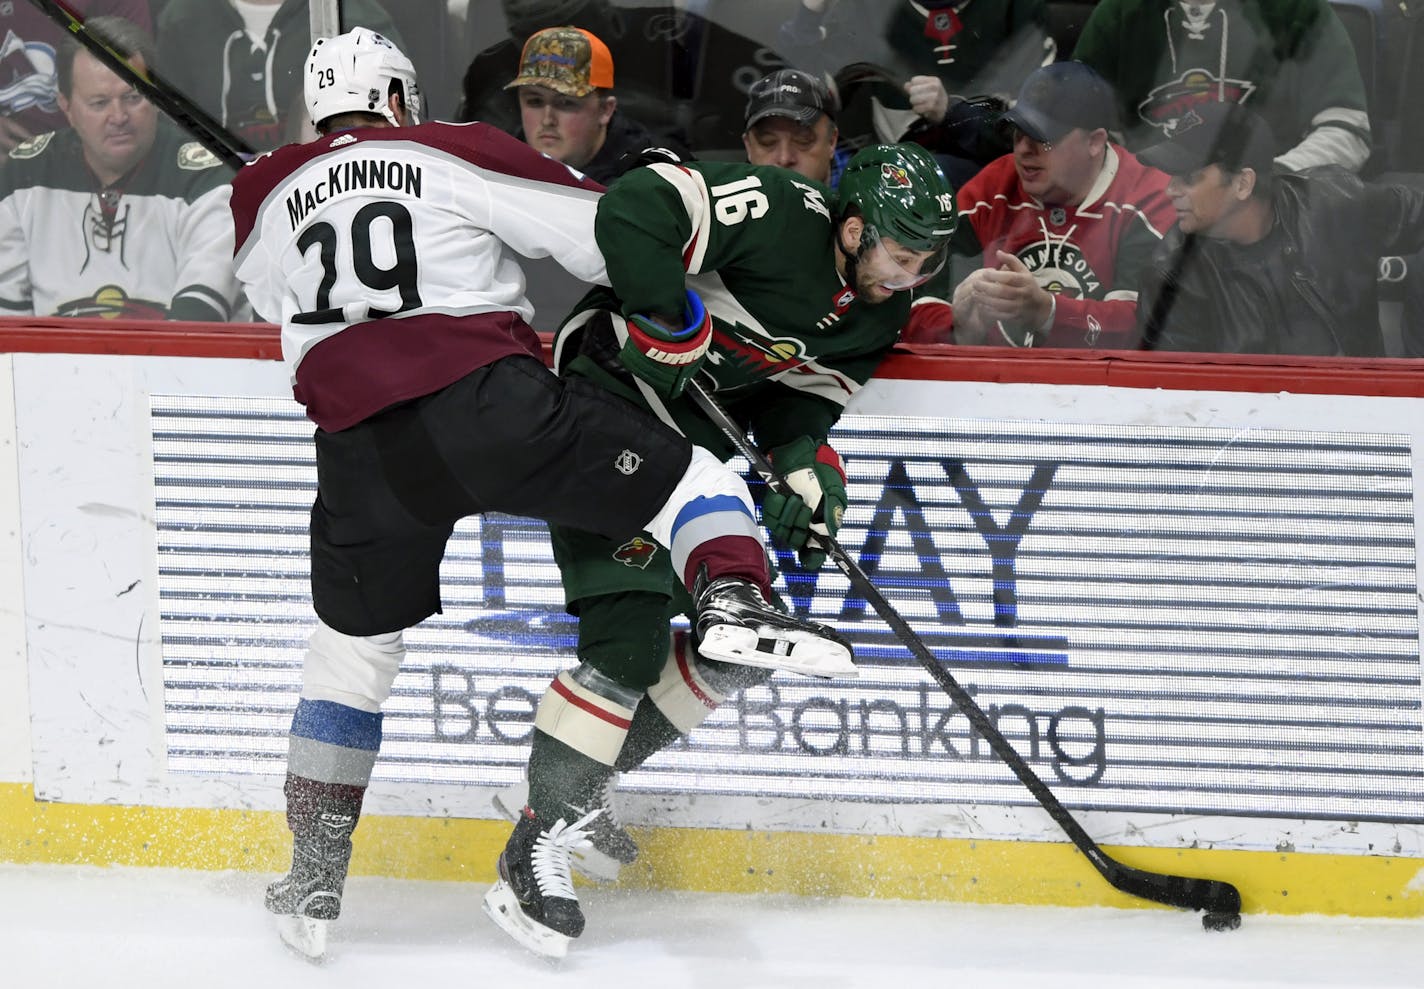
[790,122]
[1261,263]
[1057,231]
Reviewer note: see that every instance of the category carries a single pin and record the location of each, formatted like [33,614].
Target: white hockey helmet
[353,72]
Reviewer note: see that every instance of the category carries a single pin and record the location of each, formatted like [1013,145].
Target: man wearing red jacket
[1057,231]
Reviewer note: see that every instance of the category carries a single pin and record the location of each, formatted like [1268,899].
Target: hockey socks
[578,731]
[331,752]
[689,689]
[708,521]
[710,530]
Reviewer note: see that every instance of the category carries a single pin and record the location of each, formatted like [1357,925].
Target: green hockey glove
[666,358]
[814,473]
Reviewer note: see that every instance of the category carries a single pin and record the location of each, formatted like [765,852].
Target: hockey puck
[1221,921]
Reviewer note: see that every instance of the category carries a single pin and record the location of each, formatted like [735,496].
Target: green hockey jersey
[1289,60]
[792,341]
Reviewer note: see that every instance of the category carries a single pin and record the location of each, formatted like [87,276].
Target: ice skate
[304,935]
[534,901]
[610,845]
[309,896]
[735,624]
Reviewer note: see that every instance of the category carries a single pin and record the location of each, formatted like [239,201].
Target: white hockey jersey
[159,247]
[387,256]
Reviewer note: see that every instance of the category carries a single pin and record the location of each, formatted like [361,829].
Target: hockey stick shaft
[1210,895]
[212,135]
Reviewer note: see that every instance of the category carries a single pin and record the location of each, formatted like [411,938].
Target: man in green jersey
[1290,61]
[806,292]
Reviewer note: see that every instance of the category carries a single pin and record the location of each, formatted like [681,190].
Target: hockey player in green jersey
[806,292]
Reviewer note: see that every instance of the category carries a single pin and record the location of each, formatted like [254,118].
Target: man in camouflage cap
[566,103]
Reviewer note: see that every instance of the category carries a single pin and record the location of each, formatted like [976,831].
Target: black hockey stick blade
[212,135]
[1220,900]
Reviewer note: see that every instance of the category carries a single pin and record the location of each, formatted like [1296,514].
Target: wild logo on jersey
[756,357]
[1061,268]
[112,302]
[636,552]
[1166,104]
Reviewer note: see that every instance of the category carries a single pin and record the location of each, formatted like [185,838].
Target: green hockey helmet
[902,194]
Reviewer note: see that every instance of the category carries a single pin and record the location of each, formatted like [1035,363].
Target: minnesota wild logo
[193,157]
[759,356]
[894,177]
[1170,102]
[112,302]
[636,552]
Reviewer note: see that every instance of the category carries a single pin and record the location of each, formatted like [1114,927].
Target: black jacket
[625,136]
[1203,294]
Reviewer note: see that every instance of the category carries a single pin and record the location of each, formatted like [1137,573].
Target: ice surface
[66,927]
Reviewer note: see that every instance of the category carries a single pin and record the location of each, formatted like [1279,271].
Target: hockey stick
[1220,900]
[212,135]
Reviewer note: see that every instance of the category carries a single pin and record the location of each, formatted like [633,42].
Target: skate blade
[503,908]
[593,864]
[795,652]
[511,800]
[304,935]
[589,862]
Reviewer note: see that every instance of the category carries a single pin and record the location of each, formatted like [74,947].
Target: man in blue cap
[1056,232]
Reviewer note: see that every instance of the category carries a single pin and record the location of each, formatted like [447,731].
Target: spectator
[1268,264]
[29,93]
[1058,231]
[566,103]
[484,95]
[241,60]
[927,55]
[790,122]
[1289,60]
[121,215]
[678,72]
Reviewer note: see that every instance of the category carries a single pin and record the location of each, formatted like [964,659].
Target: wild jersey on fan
[1090,255]
[756,244]
[326,236]
[156,246]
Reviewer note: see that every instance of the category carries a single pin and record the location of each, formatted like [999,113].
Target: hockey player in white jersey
[385,249]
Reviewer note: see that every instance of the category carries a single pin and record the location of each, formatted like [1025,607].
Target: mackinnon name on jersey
[349,176]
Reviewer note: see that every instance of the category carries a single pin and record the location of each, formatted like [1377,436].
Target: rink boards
[1196,613]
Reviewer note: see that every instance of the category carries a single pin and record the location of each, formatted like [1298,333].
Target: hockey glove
[667,358]
[818,500]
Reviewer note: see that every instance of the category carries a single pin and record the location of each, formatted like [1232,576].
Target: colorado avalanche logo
[636,552]
[28,75]
[894,177]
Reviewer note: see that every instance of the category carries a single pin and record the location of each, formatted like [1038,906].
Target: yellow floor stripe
[713,861]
